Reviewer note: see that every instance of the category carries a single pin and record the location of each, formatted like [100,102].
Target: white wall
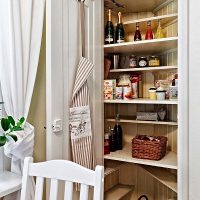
[194,100]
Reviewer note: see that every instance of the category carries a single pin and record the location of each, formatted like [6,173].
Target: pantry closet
[125,177]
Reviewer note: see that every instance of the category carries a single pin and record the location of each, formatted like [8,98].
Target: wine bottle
[159,32]
[120,34]
[149,33]
[118,134]
[137,36]
[112,140]
[109,30]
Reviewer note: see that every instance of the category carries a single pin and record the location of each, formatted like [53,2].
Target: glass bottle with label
[120,34]
[118,133]
[159,32]
[149,33]
[137,36]
[109,30]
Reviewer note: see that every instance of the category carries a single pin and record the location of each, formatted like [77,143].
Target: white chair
[62,170]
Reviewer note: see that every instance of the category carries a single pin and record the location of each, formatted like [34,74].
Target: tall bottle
[120,34]
[118,134]
[149,33]
[109,30]
[159,32]
[137,36]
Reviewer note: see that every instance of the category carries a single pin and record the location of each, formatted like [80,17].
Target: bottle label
[142,63]
[120,40]
[109,39]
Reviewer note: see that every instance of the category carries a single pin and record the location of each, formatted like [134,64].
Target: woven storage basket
[149,147]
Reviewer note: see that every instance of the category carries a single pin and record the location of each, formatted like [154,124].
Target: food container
[127,92]
[134,85]
[132,61]
[165,84]
[109,89]
[152,93]
[119,92]
[124,80]
[154,61]
[160,94]
[142,62]
[115,61]
[147,116]
[173,92]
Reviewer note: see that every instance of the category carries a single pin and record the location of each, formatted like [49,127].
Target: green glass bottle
[109,30]
[120,34]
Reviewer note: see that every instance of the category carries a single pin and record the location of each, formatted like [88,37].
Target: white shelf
[130,26]
[9,183]
[160,68]
[142,101]
[134,6]
[144,46]
[125,155]
[165,177]
[124,120]
[119,192]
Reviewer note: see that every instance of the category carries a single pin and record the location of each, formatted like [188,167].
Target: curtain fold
[21,25]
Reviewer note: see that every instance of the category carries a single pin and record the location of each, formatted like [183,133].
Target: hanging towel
[80,120]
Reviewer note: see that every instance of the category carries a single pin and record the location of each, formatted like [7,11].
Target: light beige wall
[37,113]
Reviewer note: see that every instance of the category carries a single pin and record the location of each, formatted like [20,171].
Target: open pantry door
[63,54]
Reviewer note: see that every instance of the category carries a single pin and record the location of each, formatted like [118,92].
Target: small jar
[132,61]
[124,80]
[154,61]
[152,93]
[142,62]
[160,95]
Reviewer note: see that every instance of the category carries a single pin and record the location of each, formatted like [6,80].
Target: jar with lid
[143,62]
[132,61]
[154,61]
[124,80]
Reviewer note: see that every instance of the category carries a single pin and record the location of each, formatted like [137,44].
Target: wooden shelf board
[9,183]
[169,161]
[119,192]
[144,69]
[144,46]
[134,6]
[126,120]
[130,26]
[142,101]
[162,175]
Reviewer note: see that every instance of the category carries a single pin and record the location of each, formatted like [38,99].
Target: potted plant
[9,126]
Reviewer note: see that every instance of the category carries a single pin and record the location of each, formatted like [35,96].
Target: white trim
[183,113]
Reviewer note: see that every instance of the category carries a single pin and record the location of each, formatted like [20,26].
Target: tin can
[119,92]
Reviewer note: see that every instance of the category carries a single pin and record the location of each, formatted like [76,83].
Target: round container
[132,61]
[124,80]
[154,61]
[160,95]
[152,93]
[142,62]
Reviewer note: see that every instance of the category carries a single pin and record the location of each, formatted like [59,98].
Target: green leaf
[2,140]
[11,120]
[5,124]
[22,120]
[14,137]
[17,128]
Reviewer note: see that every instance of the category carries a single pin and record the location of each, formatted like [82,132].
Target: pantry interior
[127,177]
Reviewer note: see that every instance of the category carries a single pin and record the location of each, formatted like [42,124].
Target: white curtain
[21,24]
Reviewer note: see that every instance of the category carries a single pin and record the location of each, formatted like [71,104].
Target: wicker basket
[149,147]
[147,116]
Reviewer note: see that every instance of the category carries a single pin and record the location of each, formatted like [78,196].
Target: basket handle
[143,196]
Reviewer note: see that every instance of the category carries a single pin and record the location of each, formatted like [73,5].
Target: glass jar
[142,62]
[124,80]
[154,61]
[132,61]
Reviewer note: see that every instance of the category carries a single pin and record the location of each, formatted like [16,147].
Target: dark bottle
[149,33]
[120,34]
[137,36]
[118,133]
[109,30]
[112,139]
